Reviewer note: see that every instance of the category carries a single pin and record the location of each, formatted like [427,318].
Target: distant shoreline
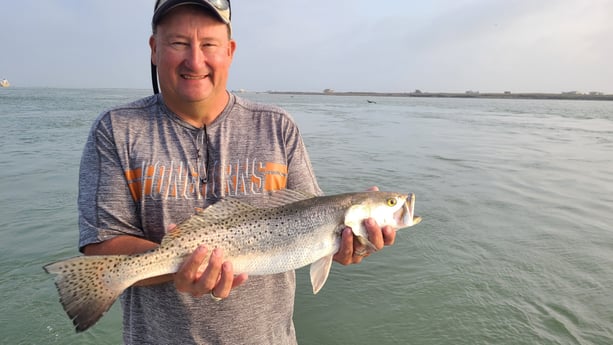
[505,95]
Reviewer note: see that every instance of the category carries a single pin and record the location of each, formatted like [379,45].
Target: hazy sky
[346,45]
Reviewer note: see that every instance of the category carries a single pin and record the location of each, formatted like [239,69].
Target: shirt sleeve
[106,207]
[300,172]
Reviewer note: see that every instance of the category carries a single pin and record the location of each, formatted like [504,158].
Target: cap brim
[167,6]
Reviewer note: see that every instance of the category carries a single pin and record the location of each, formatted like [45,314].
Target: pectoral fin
[319,272]
[359,232]
[354,218]
[365,242]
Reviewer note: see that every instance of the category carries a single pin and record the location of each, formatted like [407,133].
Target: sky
[345,45]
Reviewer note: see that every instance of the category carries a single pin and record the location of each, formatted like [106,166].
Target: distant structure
[574,93]
[471,92]
[596,93]
[4,83]
[328,91]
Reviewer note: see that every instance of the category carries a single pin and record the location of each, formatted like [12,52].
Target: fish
[294,230]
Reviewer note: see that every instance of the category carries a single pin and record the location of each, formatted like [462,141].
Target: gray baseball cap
[220,7]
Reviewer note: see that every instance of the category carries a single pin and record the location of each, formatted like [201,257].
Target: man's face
[193,53]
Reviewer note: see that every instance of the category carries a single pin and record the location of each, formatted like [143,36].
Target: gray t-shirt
[144,168]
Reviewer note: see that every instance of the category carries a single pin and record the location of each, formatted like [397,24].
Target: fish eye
[392,202]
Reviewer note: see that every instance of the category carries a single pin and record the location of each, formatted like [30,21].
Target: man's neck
[200,114]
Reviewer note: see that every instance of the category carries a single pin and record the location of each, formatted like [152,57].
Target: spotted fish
[294,231]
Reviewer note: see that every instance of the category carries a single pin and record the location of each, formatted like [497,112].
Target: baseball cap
[220,7]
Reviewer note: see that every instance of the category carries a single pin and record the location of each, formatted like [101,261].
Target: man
[149,164]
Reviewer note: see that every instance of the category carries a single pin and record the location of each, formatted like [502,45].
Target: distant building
[572,93]
[596,93]
[471,92]
[328,91]
[507,92]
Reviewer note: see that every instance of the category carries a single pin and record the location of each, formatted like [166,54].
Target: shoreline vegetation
[592,96]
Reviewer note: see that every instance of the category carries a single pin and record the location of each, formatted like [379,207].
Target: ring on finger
[215,298]
[360,252]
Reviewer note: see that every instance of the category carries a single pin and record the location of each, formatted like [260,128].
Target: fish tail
[88,286]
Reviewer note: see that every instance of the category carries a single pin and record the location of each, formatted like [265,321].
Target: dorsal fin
[222,209]
[229,206]
[225,207]
[286,196]
[171,235]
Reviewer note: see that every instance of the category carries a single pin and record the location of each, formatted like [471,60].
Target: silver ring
[215,298]
[360,252]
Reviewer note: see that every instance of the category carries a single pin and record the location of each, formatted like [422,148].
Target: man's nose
[195,57]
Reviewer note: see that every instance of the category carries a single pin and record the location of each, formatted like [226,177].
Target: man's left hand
[353,252]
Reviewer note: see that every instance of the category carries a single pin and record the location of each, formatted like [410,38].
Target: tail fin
[88,286]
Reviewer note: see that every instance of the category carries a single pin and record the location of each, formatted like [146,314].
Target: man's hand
[215,278]
[352,251]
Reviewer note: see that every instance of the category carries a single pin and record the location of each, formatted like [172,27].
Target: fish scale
[297,230]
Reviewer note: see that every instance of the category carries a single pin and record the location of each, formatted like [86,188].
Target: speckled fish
[296,230]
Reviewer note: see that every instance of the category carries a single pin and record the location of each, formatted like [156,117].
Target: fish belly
[290,257]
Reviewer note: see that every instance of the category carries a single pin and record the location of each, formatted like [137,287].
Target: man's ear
[153,45]
[231,48]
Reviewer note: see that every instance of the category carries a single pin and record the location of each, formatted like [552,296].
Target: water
[516,246]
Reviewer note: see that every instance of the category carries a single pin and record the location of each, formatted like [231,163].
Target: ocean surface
[516,245]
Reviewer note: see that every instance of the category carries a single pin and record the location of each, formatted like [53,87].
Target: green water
[516,246]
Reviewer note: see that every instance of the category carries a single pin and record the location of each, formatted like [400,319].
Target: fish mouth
[407,216]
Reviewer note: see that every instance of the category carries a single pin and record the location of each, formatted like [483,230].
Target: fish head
[394,209]
[386,208]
